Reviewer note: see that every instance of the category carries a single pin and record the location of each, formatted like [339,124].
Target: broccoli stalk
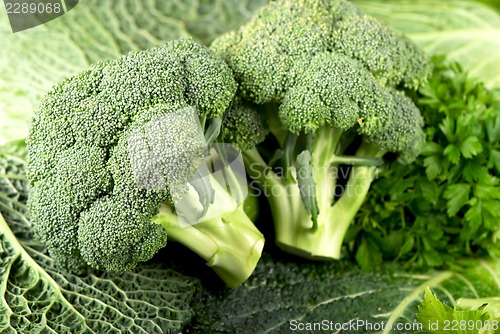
[324,73]
[230,243]
[328,234]
[320,236]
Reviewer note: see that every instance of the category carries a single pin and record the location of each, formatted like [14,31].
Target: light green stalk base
[297,236]
[295,231]
[230,243]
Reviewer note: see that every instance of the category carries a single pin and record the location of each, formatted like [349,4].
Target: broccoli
[331,82]
[113,149]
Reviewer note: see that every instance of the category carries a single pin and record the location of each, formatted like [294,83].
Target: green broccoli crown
[104,145]
[243,126]
[339,92]
[329,63]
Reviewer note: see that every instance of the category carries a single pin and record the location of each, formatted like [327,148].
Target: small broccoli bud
[82,170]
[204,74]
[405,133]
[243,126]
[50,202]
[389,56]
[114,236]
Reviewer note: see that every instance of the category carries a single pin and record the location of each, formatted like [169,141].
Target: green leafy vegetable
[447,203]
[464,31]
[283,295]
[32,61]
[35,296]
[468,316]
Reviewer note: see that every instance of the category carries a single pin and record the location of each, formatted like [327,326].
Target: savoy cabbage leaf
[33,60]
[467,32]
[283,296]
[36,297]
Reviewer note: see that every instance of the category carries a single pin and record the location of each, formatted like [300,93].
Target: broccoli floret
[243,126]
[113,150]
[330,81]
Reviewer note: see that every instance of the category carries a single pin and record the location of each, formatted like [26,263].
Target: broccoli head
[112,149]
[331,83]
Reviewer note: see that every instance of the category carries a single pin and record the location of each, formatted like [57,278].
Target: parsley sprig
[446,205]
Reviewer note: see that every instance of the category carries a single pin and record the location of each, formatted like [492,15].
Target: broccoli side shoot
[331,83]
[113,149]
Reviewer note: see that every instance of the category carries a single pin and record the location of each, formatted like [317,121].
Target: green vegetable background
[422,248]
